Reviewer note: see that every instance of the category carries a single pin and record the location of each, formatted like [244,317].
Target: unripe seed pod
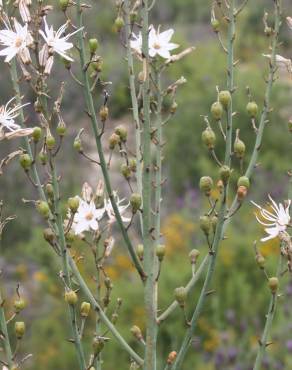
[136,332]
[103,113]
[19,305]
[85,309]
[114,140]
[140,251]
[77,145]
[193,255]
[135,201]
[97,345]
[214,221]
[273,284]
[180,295]
[160,251]
[126,172]
[71,297]
[97,66]
[63,4]
[224,98]
[217,110]
[252,109]
[25,161]
[119,23]
[122,132]
[206,184]
[225,173]
[239,148]
[243,181]
[241,192]
[133,165]
[50,141]
[36,134]
[171,357]
[19,328]
[49,190]
[43,157]
[205,224]
[49,235]
[93,45]
[209,138]
[43,208]
[61,128]
[260,260]
[73,204]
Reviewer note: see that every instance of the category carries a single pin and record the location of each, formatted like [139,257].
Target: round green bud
[224,174]
[180,295]
[50,141]
[93,45]
[43,208]
[25,161]
[71,297]
[49,189]
[135,201]
[122,132]
[19,328]
[225,98]
[273,284]
[125,171]
[19,305]
[61,128]
[205,224]
[209,138]
[36,134]
[206,184]
[119,23]
[97,345]
[133,165]
[73,204]
[160,251]
[49,235]
[239,148]
[193,255]
[70,237]
[85,309]
[103,113]
[217,110]
[64,4]
[140,251]
[77,145]
[252,109]
[215,25]
[260,260]
[43,157]
[243,181]
[114,140]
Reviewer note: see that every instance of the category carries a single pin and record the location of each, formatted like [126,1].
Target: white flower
[87,216]
[8,115]
[159,43]
[289,22]
[122,208]
[281,61]
[277,220]
[56,41]
[16,42]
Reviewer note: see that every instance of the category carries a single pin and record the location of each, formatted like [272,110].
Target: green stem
[5,336]
[96,131]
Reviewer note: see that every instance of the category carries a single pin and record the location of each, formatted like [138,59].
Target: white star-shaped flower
[87,216]
[16,42]
[159,43]
[276,221]
[122,209]
[8,115]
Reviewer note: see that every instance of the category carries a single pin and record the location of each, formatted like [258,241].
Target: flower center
[157,46]
[89,216]
[18,42]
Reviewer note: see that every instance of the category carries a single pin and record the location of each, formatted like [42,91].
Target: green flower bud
[36,134]
[63,4]
[239,148]
[260,260]
[19,328]
[243,181]
[103,113]
[50,141]
[77,145]
[224,98]
[180,295]
[136,332]
[61,128]
[252,109]
[217,111]
[114,140]
[206,184]
[71,297]
[205,224]
[135,201]
[49,235]
[224,174]
[85,309]
[160,251]
[273,284]
[133,165]
[97,345]
[140,251]
[119,23]
[50,190]
[122,132]
[43,156]
[215,25]
[43,208]
[19,305]
[73,204]
[125,171]
[193,255]
[214,221]
[70,237]
[97,65]
[209,138]
[93,45]
[25,161]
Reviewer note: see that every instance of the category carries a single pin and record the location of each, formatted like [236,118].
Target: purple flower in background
[289,345]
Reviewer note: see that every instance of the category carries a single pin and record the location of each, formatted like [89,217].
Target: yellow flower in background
[40,276]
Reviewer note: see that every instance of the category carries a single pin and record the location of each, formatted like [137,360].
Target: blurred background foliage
[234,314]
